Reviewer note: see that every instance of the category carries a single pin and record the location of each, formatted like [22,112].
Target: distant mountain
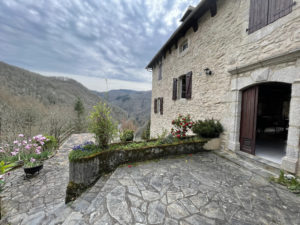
[136,103]
[30,98]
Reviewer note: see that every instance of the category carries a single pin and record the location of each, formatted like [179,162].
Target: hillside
[30,98]
[136,103]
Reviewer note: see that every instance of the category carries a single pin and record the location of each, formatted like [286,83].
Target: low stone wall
[86,171]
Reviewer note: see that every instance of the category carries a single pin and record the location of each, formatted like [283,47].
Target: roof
[189,20]
[187,12]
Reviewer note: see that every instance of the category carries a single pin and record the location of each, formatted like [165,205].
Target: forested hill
[136,103]
[30,98]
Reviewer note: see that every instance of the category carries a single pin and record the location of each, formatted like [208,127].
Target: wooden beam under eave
[213,8]
[195,26]
[176,44]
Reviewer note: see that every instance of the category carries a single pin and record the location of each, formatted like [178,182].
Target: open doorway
[265,119]
[272,120]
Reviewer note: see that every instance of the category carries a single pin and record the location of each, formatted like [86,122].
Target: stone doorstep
[264,163]
[256,165]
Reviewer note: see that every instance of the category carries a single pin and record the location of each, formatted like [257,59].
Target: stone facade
[237,60]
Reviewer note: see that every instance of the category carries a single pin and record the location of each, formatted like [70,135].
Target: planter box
[213,144]
[84,172]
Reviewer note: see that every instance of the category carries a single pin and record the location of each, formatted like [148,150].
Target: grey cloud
[106,39]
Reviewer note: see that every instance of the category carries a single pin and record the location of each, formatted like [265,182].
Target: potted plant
[127,135]
[32,166]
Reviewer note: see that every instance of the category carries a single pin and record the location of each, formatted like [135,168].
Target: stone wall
[86,171]
[220,44]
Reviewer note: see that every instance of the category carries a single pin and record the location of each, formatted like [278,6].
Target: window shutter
[174,89]
[161,106]
[155,105]
[258,14]
[189,85]
[279,8]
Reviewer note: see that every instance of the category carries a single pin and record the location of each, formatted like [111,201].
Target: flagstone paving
[25,199]
[188,190]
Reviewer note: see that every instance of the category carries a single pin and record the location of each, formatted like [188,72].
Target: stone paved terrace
[188,190]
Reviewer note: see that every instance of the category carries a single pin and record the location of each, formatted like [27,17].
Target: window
[184,46]
[182,86]
[160,71]
[159,104]
[264,12]
[182,89]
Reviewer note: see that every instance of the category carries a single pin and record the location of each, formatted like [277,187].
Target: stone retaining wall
[84,172]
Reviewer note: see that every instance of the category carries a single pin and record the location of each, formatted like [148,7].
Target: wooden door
[248,120]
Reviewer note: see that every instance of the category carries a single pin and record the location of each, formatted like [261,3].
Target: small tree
[102,125]
[79,109]
[146,132]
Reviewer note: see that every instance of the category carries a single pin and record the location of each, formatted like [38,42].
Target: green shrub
[146,132]
[168,139]
[102,125]
[127,135]
[207,128]
[51,144]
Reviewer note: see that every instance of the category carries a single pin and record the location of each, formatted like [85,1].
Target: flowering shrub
[32,163]
[182,124]
[23,147]
[86,146]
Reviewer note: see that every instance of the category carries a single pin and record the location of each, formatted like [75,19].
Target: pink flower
[32,160]
[16,142]
[28,147]
[2,177]
[39,148]
[37,151]
[29,140]
[17,150]
[35,145]
[21,135]
[19,144]
[24,142]
[1,150]
[42,143]
[14,153]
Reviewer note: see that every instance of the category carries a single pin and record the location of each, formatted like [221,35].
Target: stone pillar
[291,161]
[235,118]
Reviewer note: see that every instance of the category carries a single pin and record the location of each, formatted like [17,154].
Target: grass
[89,150]
[292,184]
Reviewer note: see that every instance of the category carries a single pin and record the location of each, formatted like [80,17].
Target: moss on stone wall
[85,171]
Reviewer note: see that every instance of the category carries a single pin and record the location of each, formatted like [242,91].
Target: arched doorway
[265,119]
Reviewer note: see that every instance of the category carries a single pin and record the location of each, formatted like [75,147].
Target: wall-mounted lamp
[208,71]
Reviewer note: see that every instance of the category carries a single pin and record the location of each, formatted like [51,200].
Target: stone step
[252,163]
[256,160]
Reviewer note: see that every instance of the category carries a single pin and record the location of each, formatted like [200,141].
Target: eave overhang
[190,21]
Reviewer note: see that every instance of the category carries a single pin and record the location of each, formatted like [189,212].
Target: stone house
[237,61]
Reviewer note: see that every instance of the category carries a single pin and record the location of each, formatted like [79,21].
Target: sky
[103,44]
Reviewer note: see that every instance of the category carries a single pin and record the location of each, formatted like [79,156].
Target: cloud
[104,39]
